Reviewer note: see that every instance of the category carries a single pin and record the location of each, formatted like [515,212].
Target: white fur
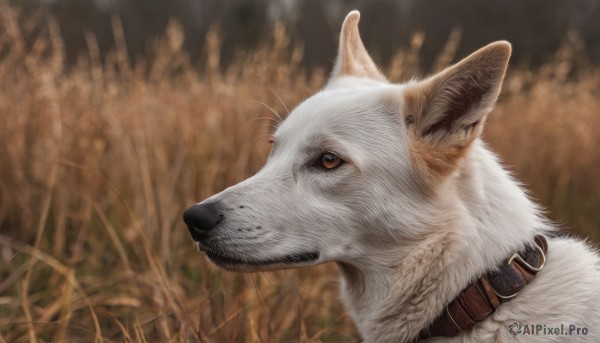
[404,252]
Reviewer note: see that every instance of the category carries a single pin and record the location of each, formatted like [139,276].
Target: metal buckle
[504,296]
[525,265]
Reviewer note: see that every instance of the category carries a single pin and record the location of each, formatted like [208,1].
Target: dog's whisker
[277,289]
[258,294]
[261,137]
[265,118]
[267,106]
[280,101]
[270,125]
[297,283]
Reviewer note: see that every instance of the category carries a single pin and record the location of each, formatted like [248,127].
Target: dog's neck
[491,217]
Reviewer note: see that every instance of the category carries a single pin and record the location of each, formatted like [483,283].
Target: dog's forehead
[350,101]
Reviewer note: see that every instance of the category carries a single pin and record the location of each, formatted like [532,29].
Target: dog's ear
[445,113]
[353,59]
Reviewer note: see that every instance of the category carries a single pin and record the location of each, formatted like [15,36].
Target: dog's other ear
[353,59]
[445,113]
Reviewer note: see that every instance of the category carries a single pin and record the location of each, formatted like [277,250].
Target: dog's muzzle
[201,219]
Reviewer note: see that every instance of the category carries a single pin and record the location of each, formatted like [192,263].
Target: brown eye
[330,161]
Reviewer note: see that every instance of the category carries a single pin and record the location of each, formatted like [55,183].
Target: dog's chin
[239,264]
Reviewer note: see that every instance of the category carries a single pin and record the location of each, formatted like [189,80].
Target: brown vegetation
[98,161]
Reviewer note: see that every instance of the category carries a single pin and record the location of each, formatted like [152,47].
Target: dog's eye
[329,161]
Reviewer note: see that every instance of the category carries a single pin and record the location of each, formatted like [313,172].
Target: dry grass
[98,162]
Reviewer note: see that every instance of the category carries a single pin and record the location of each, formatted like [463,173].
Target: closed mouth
[229,261]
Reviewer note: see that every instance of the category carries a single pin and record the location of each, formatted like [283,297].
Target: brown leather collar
[481,298]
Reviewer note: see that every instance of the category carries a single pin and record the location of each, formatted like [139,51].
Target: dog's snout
[202,218]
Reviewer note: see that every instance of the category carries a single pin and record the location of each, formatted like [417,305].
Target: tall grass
[98,161]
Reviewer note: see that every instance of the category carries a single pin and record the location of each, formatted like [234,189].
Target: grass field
[98,161]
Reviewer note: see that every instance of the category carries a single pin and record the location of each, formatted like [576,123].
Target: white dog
[392,182]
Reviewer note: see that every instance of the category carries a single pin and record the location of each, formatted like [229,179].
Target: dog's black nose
[202,218]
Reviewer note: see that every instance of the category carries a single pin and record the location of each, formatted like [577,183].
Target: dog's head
[354,169]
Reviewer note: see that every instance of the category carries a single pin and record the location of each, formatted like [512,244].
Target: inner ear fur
[445,113]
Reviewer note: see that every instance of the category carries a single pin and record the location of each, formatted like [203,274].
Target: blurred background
[536,28]
[118,114]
